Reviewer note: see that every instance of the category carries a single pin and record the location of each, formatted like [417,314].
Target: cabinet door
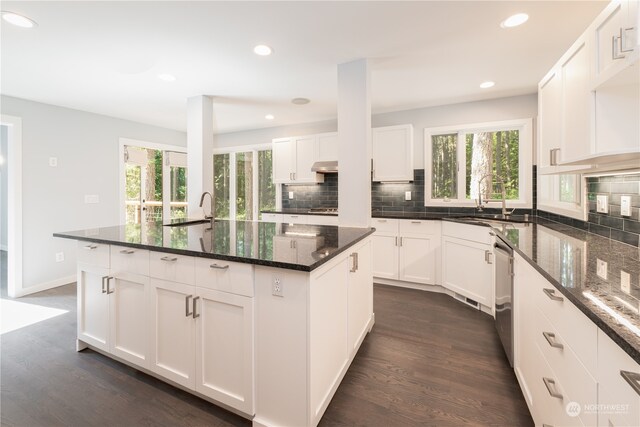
[360,297]
[172,331]
[418,259]
[392,150]
[327,149]
[475,280]
[224,348]
[549,117]
[607,29]
[576,103]
[284,250]
[305,155]
[93,306]
[128,318]
[283,160]
[385,256]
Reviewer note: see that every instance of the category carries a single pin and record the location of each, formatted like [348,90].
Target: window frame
[548,186]
[232,151]
[525,161]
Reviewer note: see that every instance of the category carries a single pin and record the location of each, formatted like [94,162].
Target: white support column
[199,151]
[354,136]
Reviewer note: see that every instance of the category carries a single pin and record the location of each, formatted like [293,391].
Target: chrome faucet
[213,206]
[479,203]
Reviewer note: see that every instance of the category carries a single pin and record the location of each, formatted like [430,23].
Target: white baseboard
[47,285]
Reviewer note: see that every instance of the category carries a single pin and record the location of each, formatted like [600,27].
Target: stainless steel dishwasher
[504,295]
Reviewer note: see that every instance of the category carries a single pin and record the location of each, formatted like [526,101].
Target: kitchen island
[263,319]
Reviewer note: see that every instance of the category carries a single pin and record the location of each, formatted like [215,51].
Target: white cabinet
[327,147]
[616,37]
[406,250]
[93,306]
[271,217]
[295,219]
[128,311]
[549,118]
[360,294]
[471,245]
[322,219]
[392,151]
[293,158]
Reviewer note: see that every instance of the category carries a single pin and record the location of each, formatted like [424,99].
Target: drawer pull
[166,258]
[551,339]
[416,222]
[91,247]
[382,220]
[293,216]
[187,312]
[219,267]
[487,256]
[109,291]
[633,378]
[195,308]
[354,265]
[104,284]
[547,425]
[127,251]
[551,387]
[551,294]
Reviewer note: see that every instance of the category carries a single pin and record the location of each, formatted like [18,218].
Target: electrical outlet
[625,281]
[291,194]
[601,268]
[53,162]
[276,288]
[407,195]
[59,256]
[625,205]
[602,203]
[91,199]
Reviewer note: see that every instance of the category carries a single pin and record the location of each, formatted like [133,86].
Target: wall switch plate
[91,198]
[276,288]
[625,205]
[291,194]
[601,268]
[407,195]
[602,203]
[53,162]
[59,256]
[625,281]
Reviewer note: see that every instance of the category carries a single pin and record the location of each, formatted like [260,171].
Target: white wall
[516,107]
[4,136]
[86,146]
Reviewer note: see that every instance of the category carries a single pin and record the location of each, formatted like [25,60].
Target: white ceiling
[103,57]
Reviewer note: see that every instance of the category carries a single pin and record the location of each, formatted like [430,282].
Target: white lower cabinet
[93,306]
[360,294]
[417,260]
[385,255]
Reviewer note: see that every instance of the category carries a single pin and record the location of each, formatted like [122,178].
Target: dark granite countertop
[252,242]
[292,211]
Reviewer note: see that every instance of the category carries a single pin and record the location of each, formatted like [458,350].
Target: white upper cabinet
[327,147]
[392,150]
[549,118]
[293,158]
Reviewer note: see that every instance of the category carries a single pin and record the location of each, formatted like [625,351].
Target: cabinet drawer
[569,371]
[271,217]
[129,260]
[579,332]
[294,219]
[95,254]
[322,219]
[473,233]
[385,225]
[421,227]
[614,389]
[227,276]
[172,267]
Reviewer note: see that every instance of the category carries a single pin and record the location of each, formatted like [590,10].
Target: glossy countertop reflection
[569,259]
[290,246]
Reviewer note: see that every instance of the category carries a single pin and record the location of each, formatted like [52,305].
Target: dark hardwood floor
[429,361]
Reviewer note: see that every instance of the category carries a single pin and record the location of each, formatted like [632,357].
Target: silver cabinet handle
[633,378]
[547,425]
[294,176]
[104,285]
[293,216]
[187,312]
[553,156]
[487,257]
[551,387]
[109,291]
[127,251]
[551,339]
[416,222]
[396,240]
[166,258]
[219,267]
[401,240]
[623,41]
[354,265]
[195,314]
[491,233]
[551,294]
[381,220]
[511,267]
[614,47]
[91,247]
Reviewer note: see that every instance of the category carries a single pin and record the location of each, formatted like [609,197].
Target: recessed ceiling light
[487,85]
[262,50]
[269,117]
[167,77]
[300,101]
[515,20]
[18,20]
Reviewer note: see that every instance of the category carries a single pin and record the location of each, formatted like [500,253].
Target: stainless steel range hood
[325,167]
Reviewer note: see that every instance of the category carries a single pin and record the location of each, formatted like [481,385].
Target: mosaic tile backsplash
[323,195]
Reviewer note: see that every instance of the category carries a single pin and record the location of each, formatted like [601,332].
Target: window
[246,178]
[561,194]
[463,161]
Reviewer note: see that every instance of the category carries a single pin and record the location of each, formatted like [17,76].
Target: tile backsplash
[324,195]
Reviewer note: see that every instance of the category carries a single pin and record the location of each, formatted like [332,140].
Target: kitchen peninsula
[261,318]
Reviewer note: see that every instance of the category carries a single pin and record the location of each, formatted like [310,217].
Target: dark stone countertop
[252,242]
[292,211]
